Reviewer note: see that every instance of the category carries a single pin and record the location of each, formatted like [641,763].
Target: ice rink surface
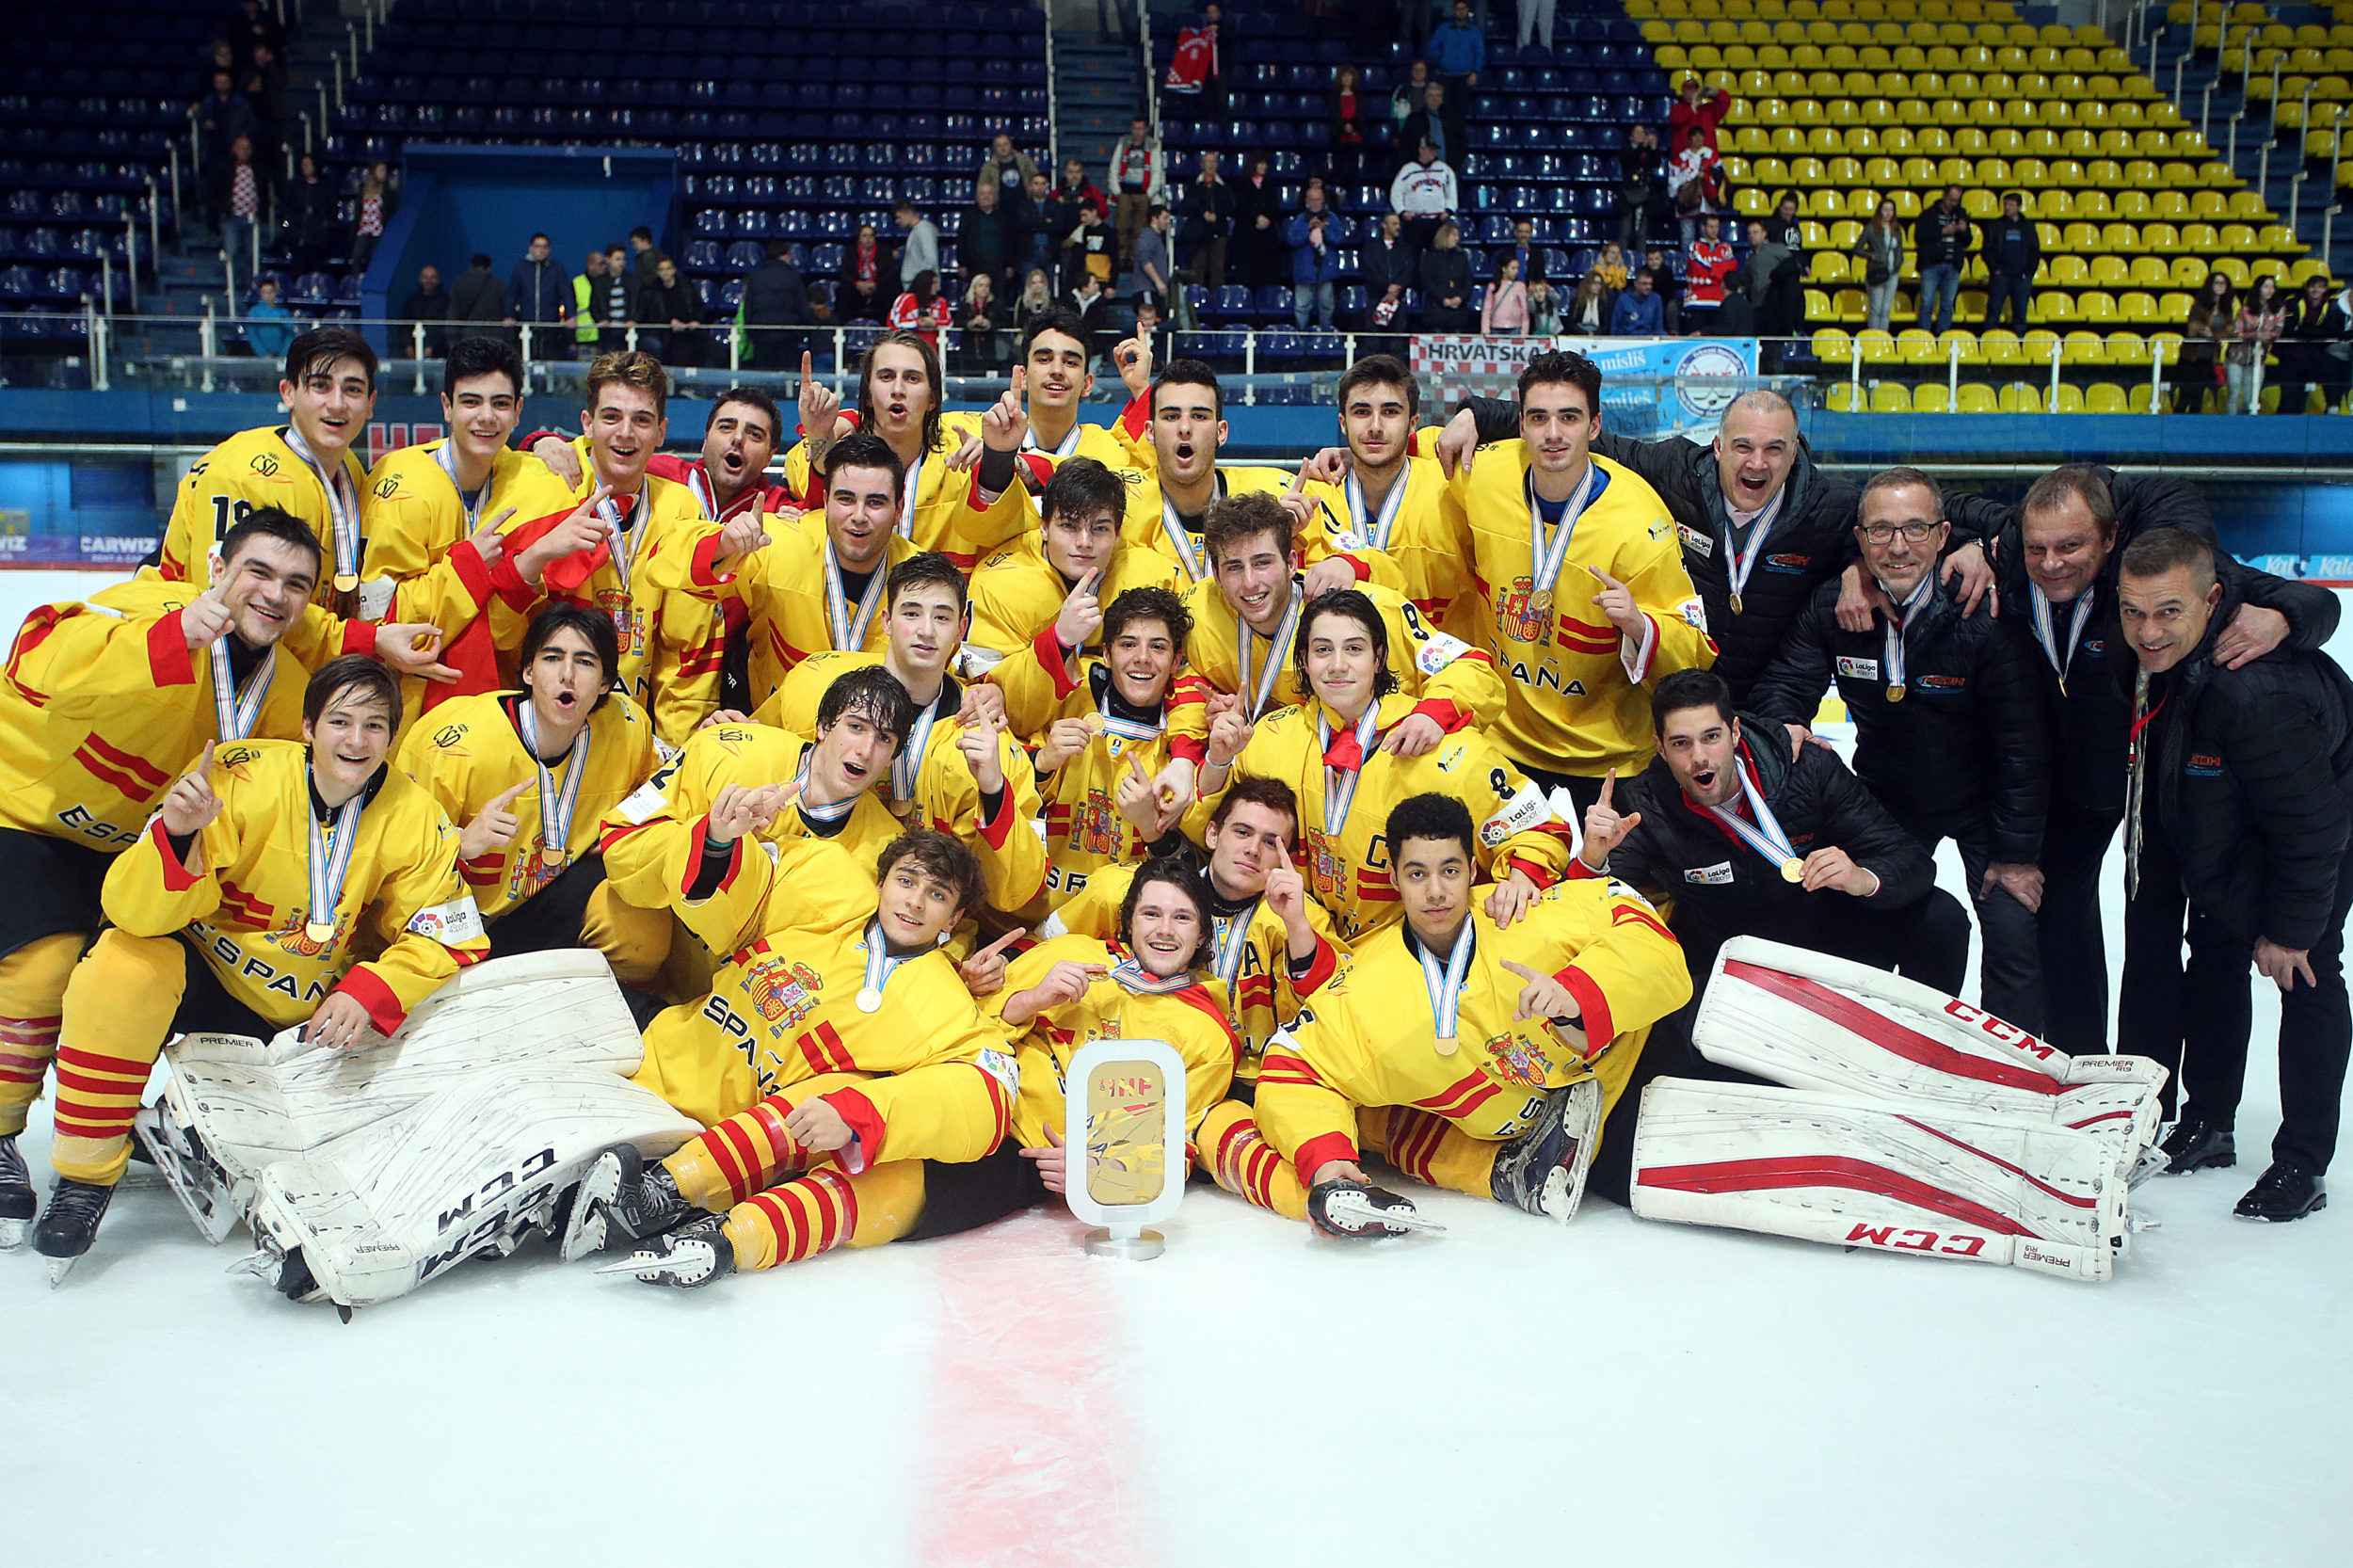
[1612,1392]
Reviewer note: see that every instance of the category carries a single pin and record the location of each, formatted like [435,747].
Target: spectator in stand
[1207,209]
[243,186]
[1211,26]
[1031,230]
[1259,224]
[1315,260]
[2314,323]
[2211,327]
[1642,171]
[1155,268]
[1152,330]
[1943,239]
[2013,254]
[642,256]
[1077,189]
[536,289]
[432,306]
[775,297]
[863,267]
[1504,312]
[978,321]
[1446,284]
[269,326]
[1524,250]
[588,303]
[1091,299]
[983,242]
[922,310]
[1881,250]
[919,250]
[1611,265]
[1138,180]
[1036,303]
[1087,250]
[1439,120]
[618,306]
[1458,49]
[669,302]
[1700,108]
[1641,310]
[1705,268]
[1666,285]
[1006,167]
[1751,286]
[306,216]
[1536,23]
[477,296]
[1348,109]
[1390,268]
[221,116]
[264,92]
[1424,194]
[376,201]
[1406,97]
[1066,210]
[2339,374]
[1543,311]
[1695,182]
[1785,229]
[251,29]
[2262,315]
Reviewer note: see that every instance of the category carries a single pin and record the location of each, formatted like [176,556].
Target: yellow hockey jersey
[103,706]
[1112,445]
[931,784]
[1576,703]
[1083,828]
[1372,1038]
[932,1077]
[245,907]
[1451,681]
[1152,524]
[1016,593]
[470,752]
[943,508]
[1347,865]
[1409,529]
[1190,1021]
[1250,972]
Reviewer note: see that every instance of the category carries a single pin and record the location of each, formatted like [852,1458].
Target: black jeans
[2006,287]
[2167,1011]
[2075,950]
[2010,961]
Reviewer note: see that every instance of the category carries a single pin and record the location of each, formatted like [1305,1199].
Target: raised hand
[1139,800]
[744,532]
[1543,997]
[1616,603]
[985,971]
[207,616]
[191,806]
[560,456]
[1229,732]
[1007,419]
[977,741]
[584,529]
[742,808]
[1065,738]
[1065,982]
[1859,599]
[413,648]
[820,406]
[1605,828]
[1458,444]
[1081,614]
[489,541]
[494,827]
[1134,359]
[1412,735]
[1330,465]
[1287,895]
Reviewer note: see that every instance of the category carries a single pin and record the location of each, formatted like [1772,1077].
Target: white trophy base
[1103,1242]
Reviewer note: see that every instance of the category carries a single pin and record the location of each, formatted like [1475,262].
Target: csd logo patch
[265,465]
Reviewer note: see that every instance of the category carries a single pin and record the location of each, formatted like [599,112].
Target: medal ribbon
[1738,565]
[1376,531]
[1278,651]
[1445,984]
[880,965]
[1138,981]
[330,859]
[906,506]
[2044,634]
[1760,830]
[1543,559]
[834,811]
[909,762]
[1187,556]
[1232,935]
[555,810]
[618,534]
[446,458]
[342,506]
[1909,611]
[1064,448]
[239,714]
[1339,784]
[848,631]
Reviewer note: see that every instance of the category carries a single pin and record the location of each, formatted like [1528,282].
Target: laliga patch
[642,804]
[1717,875]
[1699,544]
[1002,1068]
[1862,669]
[375,597]
[1348,539]
[1442,650]
[1693,613]
[1527,809]
[457,920]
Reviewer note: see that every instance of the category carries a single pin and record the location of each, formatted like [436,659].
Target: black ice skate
[1542,1170]
[1356,1210]
[622,1199]
[18,1204]
[2196,1145]
[214,1199]
[2285,1192]
[71,1225]
[692,1256]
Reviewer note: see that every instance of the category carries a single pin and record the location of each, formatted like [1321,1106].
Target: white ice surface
[1617,1392]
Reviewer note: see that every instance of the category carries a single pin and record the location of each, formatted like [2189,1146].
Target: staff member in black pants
[1948,734]
[2247,775]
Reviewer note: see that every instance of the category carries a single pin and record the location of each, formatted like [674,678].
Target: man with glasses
[1948,725]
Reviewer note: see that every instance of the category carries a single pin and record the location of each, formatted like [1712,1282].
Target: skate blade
[1376,1224]
[591,1224]
[59,1268]
[13,1234]
[260,1265]
[651,1270]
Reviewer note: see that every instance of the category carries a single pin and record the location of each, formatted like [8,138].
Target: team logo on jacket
[265,465]
[783,990]
[1517,616]
[291,938]
[1717,875]
[2203,764]
[1788,562]
[1944,682]
[533,871]
[1700,544]
[1095,827]
[1516,1059]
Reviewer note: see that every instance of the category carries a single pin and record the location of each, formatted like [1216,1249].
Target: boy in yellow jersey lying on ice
[531,774]
[1332,750]
[1519,1043]
[1024,589]
[243,909]
[835,1057]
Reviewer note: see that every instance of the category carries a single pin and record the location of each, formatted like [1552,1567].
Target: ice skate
[696,1255]
[1542,1170]
[1357,1211]
[17,1203]
[203,1186]
[621,1199]
[71,1225]
[2197,1145]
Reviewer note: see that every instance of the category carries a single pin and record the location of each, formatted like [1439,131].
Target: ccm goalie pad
[1810,1022]
[1990,1186]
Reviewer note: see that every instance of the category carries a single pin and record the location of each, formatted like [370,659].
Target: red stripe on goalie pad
[2036,1183]
[1885,1033]
[1781,1172]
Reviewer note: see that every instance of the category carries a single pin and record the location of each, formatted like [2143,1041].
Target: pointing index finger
[1001,943]
[1609,783]
[508,799]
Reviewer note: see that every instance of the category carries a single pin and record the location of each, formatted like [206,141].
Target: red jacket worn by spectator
[1704,273]
[1707,115]
[929,320]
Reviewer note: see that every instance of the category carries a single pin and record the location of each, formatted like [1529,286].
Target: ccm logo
[2010,1034]
[1916,1240]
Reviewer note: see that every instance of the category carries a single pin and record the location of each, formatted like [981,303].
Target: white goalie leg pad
[253,1102]
[1813,1022]
[1923,1179]
[472,1170]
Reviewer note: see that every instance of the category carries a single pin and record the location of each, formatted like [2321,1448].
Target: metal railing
[1151,76]
[1053,95]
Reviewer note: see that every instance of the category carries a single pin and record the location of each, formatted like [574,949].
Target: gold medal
[321,932]
[346,582]
[1895,691]
[1735,604]
[1445,1045]
[1540,607]
[1793,870]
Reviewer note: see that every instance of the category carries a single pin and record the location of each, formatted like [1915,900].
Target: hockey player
[1329,749]
[102,703]
[1747,840]
[1053,369]
[1373,494]
[531,774]
[2241,786]
[837,1055]
[1948,725]
[1580,590]
[1525,1037]
[960,771]
[1033,583]
[1103,745]
[899,400]
[242,909]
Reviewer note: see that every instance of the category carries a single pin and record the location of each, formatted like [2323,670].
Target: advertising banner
[1650,386]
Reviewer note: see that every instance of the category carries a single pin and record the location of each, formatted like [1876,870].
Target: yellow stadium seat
[2120,238]
[2238,238]
[1962,339]
[2172,205]
[1931,141]
[2022,397]
[1827,267]
[1929,398]
[2134,203]
[1979,204]
[1849,305]
[2127,348]
[1845,232]
[2147,271]
[2093,204]
[2049,305]
[2173,309]
[2067,271]
[1751,201]
[1832,347]
[1890,397]
[1918,347]
[1807,171]
[1879,347]
[2136,306]
[1977,398]
[2085,348]
[2069,400]
[1842,398]
[2235,270]
[2142,399]
[2109,272]
[2081,237]
[2105,397]
[1998,346]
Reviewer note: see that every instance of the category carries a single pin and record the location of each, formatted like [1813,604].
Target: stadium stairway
[1097,88]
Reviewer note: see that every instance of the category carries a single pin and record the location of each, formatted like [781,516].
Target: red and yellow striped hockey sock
[32,998]
[1233,1154]
[824,1209]
[119,1009]
[738,1157]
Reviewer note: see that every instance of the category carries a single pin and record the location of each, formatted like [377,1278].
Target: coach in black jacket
[1757,473]
[1948,732]
[1865,889]
[2246,775]
[2063,542]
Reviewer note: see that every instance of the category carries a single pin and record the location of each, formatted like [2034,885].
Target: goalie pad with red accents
[1981,1185]
[1812,1021]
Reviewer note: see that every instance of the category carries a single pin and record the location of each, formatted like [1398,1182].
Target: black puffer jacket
[1967,743]
[1720,887]
[2089,721]
[2251,778]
